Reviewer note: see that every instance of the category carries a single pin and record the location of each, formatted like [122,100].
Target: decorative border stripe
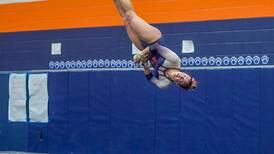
[138,69]
[240,60]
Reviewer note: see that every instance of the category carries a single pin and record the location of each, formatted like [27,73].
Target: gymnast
[148,39]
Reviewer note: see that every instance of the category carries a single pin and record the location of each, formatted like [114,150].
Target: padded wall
[124,114]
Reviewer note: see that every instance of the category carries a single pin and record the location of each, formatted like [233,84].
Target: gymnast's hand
[141,58]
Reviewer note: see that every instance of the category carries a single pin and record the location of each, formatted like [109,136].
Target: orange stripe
[61,14]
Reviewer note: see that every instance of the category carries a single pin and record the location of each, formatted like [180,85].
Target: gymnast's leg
[131,34]
[136,25]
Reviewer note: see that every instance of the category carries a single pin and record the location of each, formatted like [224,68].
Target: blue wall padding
[4,94]
[266,114]
[192,118]
[120,113]
[167,124]
[17,136]
[132,114]
[246,114]
[100,113]
[218,111]
[78,108]
[38,137]
[78,98]
[77,138]
[57,137]
[58,98]
[58,112]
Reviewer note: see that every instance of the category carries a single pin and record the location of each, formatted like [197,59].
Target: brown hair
[191,86]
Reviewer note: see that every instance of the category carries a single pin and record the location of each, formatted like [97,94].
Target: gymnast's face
[181,78]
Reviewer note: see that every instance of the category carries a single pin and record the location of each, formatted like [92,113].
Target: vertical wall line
[260,114]
[180,121]
[27,99]
[155,122]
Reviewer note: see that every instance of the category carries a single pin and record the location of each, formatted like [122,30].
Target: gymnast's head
[184,80]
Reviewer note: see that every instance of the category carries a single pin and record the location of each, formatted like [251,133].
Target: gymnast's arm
[159,83]
[147,72]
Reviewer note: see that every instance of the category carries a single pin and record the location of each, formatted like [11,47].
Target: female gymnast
[148,39]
